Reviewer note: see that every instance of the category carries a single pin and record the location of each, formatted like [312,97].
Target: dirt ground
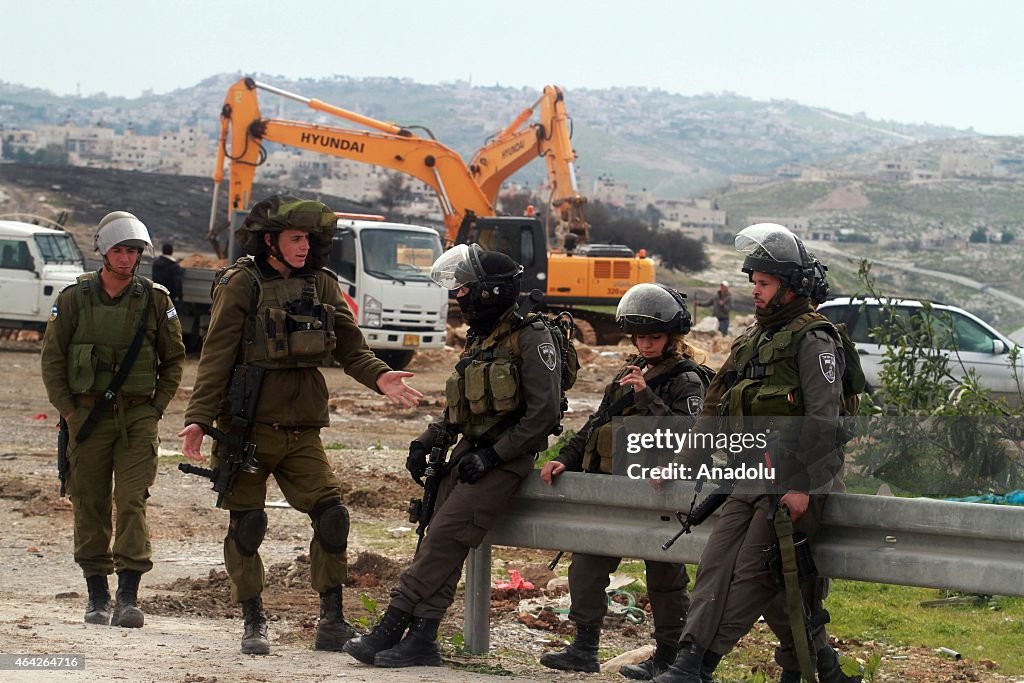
[192,629]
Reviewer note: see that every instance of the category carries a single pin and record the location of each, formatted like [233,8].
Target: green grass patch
[892,614]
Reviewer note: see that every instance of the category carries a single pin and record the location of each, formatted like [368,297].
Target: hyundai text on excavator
[467,193]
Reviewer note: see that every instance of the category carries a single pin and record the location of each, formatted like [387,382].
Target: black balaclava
[496,292]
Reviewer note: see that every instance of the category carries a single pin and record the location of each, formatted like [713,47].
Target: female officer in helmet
[661,380]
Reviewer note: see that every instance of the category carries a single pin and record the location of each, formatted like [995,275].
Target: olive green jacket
[293,397]
[163,331]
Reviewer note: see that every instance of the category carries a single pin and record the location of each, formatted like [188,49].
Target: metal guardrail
[909,542]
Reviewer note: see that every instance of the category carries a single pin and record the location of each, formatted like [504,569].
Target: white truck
[383,269]
[35,264]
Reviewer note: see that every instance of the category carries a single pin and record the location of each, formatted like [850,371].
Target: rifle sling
[794,601]
[122,374]
[605,416]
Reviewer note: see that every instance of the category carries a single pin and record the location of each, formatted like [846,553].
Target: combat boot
[829,669]
[708,666]
[97,610]
[254,637]
[385,635]
[332,631]
[580,655]
[418,648]
[657,663]
[126,609]
[688,666]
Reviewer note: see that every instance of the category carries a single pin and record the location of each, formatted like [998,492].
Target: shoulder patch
[827,361]
[53,312]
[172,312]
[159,287]
[694,404]
[548,355]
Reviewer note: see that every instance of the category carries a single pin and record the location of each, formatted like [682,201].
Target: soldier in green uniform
[504,399]
[662,380]
[826,658]
[282,312]
[789,364]
[94,325]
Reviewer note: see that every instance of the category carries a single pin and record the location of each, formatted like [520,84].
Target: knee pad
[248,528]
[330,525]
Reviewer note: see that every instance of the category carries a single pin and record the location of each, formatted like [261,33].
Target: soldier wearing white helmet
[112,359]
[118,234]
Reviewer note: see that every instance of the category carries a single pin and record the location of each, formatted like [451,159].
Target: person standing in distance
[167,272]
[504,398]
[94,325]
[720,304]
[280,312]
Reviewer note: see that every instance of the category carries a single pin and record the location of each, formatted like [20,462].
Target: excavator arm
[521,142]
[243,131]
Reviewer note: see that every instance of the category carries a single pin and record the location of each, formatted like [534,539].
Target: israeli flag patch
[53,313]
[172,313]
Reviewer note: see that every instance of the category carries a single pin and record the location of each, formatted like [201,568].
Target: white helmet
[121,227]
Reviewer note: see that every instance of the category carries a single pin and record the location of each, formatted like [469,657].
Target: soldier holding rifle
[277,317]
[785,373]
[504,399]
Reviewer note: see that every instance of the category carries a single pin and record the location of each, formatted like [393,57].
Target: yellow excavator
[570,275]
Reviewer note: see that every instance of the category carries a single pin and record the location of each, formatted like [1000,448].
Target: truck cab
[384,272]
[35,264]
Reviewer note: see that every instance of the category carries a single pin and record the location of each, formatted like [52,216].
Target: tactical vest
[103,334]
[598,454]
[768,378]
[485,395]
[287,326]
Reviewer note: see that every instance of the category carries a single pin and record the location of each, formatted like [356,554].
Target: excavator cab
[519,237]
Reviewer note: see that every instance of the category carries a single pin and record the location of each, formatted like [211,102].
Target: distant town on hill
[650,140]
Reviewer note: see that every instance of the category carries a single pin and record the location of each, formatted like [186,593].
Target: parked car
[979,346]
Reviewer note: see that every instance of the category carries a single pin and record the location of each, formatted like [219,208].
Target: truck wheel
[398,360]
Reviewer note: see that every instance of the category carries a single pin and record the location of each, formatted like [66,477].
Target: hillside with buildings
[704,166]
[652,141]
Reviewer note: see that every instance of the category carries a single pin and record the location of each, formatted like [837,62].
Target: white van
[979,346]
[35,264]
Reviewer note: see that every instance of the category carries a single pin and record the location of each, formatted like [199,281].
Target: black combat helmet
[652,308]
[773,249]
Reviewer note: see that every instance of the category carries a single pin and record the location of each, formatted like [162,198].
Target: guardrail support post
[477,619]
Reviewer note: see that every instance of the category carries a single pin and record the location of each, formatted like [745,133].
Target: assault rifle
[63,465]
[238,453]
[422,509]
[699,514]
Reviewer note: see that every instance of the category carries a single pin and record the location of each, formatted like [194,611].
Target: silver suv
[980,347]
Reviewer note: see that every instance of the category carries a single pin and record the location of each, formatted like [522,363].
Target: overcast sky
[914,61]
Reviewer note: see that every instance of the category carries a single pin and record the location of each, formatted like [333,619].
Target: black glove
[416,462]
[475,464]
